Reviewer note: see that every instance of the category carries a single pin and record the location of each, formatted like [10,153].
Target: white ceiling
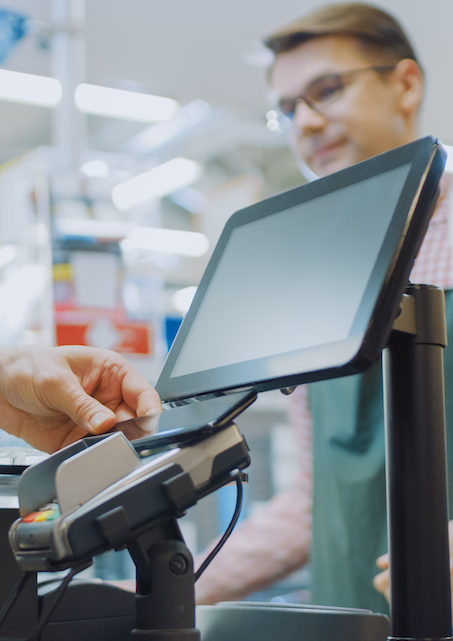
[201,49]
[207,50]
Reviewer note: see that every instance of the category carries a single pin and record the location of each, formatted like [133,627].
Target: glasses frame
[318,108]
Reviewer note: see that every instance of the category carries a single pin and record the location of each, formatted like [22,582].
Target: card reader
[94,496]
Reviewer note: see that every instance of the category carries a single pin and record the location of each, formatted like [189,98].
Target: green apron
[349,517]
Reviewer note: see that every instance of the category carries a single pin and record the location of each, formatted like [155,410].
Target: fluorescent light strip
[89,228]
[128,105]
[95,168]
[132,237]
[157,182]
[167,241]
[30,89]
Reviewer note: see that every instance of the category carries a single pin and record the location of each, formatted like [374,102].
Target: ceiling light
[182,299]
[132,237]
[168,241]
[273,125]
[160,181]
[90,228]
[28,88]
[7,254]
[96,168]
[129,105]
[271,115]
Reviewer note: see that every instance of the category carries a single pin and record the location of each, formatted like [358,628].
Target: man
[51,397]
[348,80]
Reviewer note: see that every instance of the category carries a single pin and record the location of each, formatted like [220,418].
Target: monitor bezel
[414,209]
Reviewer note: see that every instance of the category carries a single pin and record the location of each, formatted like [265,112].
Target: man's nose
[307,120]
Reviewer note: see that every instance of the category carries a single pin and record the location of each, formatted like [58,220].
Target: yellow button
[43,516]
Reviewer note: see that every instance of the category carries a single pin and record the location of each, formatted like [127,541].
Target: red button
[30,517]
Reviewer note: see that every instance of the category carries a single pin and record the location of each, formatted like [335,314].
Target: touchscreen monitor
[305,285]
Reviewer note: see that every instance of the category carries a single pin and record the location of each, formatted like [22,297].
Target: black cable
[223,540]
[16,592]
[35,636]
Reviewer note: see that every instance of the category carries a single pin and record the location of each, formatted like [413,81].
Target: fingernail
[98,418]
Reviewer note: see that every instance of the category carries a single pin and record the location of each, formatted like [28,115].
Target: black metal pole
[414,403]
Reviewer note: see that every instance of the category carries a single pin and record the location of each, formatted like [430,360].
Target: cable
[223,540]
[15,595]
[36,635]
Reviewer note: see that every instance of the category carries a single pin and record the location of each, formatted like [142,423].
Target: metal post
[414,403]
[69,67]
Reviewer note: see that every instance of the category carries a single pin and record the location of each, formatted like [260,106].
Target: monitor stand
[414,407]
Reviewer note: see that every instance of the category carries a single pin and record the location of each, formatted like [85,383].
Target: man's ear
[409,82]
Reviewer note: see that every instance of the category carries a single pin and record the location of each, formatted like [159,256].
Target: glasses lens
[318,95]
[324,91]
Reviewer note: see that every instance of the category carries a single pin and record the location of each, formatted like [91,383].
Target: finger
[124,413]
[381,583]
[112,381]
[139,395]
[148,403]
[84,410]
[382,562]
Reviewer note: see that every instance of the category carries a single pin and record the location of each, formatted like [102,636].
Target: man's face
[364,121]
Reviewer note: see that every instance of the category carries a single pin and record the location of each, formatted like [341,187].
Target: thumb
[100,418]
[86,411]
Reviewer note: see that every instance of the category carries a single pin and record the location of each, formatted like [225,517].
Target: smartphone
[186,422]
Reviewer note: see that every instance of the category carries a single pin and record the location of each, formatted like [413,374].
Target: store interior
[88,254]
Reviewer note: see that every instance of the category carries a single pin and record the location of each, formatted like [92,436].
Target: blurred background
[132,132]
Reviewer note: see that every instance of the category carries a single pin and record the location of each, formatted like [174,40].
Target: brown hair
[373,28]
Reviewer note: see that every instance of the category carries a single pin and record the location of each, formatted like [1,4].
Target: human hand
[381,581]
[53,396]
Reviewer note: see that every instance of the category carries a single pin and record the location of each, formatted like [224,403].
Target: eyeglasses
[323,91]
